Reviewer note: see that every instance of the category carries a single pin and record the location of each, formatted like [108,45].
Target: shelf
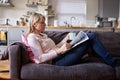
[42,5]
[51,16]
[27,16]
[6,5]
[31,5]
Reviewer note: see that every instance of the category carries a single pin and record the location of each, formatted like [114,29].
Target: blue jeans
[74,55]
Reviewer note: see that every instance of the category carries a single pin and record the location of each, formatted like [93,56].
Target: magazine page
[80,38]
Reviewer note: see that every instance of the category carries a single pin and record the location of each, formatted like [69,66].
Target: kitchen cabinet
[13,35]
[2,48]
[108,8]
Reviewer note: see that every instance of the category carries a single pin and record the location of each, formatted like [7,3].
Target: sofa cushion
[118,72]
[56,36]
[111,41]
[86,71]
[15,48]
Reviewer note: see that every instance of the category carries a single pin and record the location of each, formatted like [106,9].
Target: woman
[45,50]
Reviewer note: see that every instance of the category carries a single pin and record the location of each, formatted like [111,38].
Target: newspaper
[79,38]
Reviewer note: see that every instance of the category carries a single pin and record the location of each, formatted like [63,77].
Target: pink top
[42,47]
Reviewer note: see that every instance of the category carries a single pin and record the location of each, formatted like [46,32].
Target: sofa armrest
[17,57]
[15,61]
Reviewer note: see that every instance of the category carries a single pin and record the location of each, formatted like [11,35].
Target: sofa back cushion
[111,41]
[56,36]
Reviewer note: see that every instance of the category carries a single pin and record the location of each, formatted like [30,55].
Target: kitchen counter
[64,28]
[7,26]
[77,28]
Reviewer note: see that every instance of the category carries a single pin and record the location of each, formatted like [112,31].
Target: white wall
[15,12]
[21,9]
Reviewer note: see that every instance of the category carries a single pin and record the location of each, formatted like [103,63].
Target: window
[67,9]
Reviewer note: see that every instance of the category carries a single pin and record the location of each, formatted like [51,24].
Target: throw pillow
[30,53]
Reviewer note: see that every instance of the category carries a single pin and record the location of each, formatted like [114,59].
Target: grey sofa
[91,66]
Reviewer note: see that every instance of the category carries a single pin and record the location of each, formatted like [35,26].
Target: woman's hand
[65,47]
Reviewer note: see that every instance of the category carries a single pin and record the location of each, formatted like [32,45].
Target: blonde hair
[35,17]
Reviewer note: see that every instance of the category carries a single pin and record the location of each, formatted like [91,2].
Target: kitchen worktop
[66,27]
[63,27]
[7,26]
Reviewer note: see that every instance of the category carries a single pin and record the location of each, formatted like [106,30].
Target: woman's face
[40,25]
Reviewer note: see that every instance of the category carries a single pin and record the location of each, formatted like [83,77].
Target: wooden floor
[4,65]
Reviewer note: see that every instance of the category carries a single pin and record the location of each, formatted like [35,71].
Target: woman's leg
[100,49]
[73,56]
